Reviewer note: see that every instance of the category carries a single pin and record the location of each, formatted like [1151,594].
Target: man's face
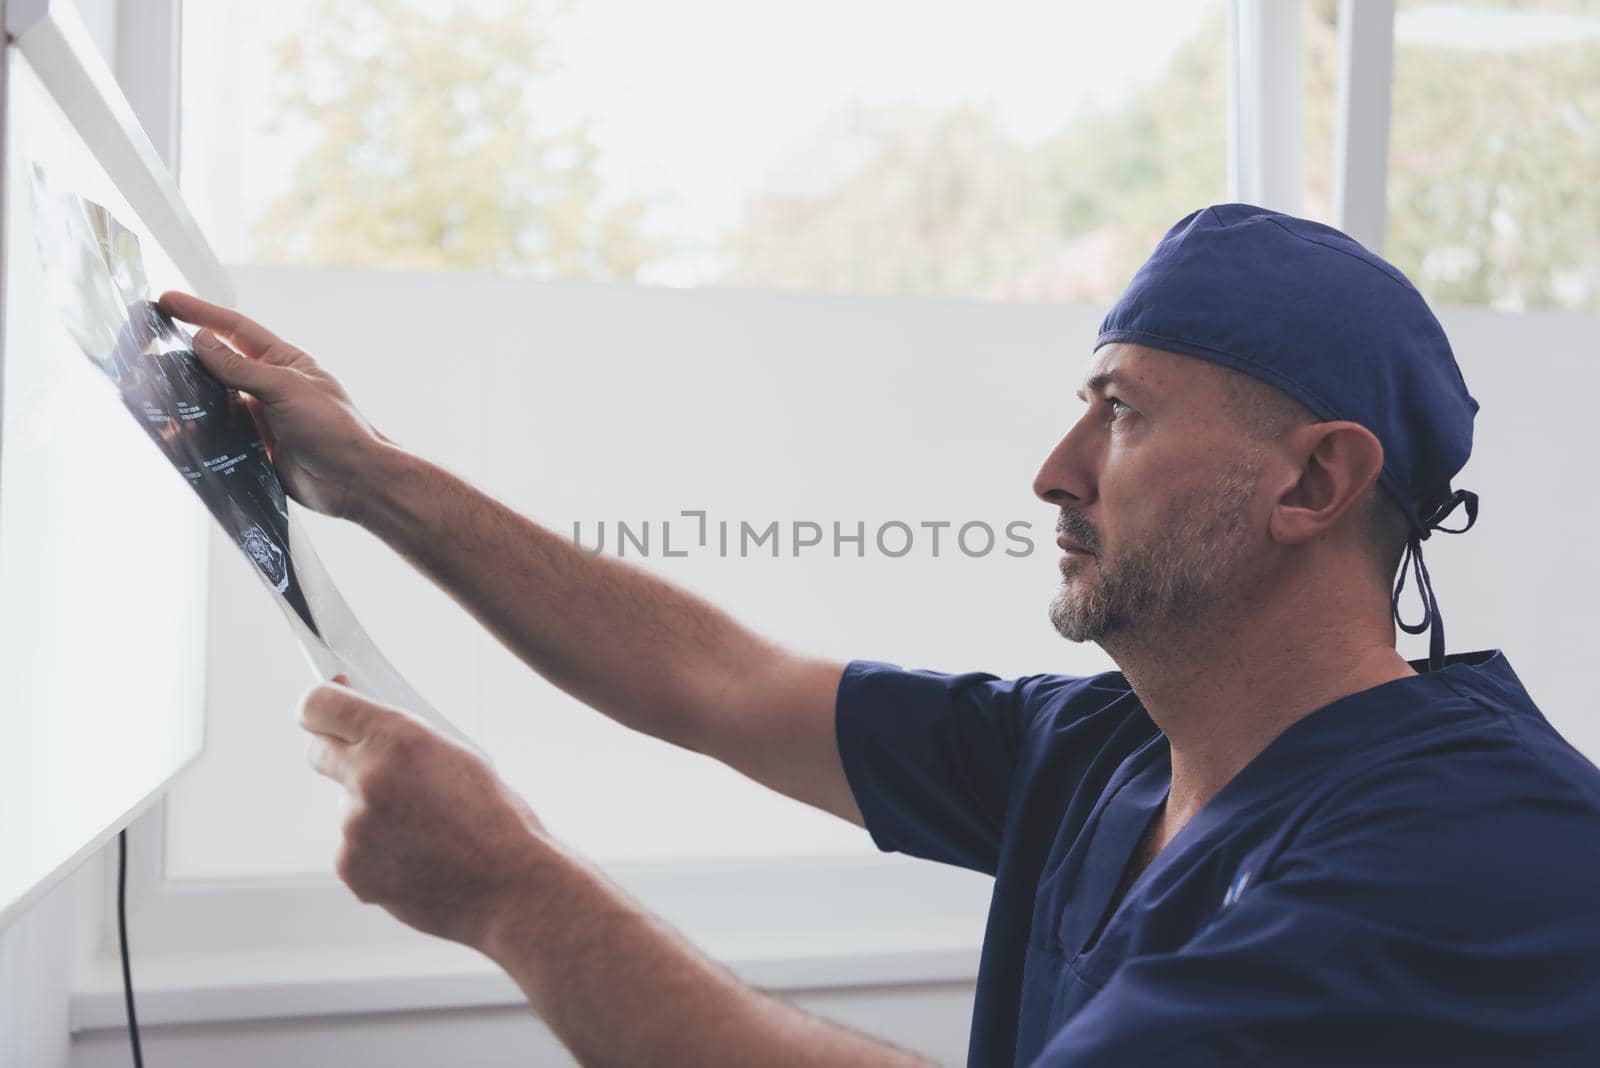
[1157,483]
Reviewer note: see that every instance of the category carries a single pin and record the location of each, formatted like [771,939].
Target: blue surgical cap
[1304,307]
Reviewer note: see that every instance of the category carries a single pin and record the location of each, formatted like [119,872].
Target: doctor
[1267,839]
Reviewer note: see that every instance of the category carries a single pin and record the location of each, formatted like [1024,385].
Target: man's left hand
[431,833]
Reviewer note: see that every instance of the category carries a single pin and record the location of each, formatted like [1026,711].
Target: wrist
[381,499]
[539,877]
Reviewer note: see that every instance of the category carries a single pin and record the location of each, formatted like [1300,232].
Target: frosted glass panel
[604,402]
[588,402]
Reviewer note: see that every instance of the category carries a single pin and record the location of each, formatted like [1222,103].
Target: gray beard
[1181,572]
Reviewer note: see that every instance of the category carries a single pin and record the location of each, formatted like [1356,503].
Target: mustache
[1074,526]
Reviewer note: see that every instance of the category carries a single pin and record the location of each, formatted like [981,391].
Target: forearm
[619,987]
[644,652]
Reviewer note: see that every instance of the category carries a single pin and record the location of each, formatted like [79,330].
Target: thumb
[233,370]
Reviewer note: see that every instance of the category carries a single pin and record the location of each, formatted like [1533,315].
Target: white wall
[34,965]
[40,954]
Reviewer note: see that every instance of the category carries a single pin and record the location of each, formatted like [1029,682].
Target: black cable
[122,934]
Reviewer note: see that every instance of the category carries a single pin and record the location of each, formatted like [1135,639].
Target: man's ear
[1338,462]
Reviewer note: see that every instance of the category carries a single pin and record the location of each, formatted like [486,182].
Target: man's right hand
[321,446]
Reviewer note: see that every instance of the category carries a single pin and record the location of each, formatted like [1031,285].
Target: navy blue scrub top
[1409,875]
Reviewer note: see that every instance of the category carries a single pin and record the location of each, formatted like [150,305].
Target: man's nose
[1066,476]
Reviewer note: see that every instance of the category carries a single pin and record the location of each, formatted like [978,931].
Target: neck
[1223,690]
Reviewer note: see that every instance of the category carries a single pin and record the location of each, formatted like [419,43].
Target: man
[1267,839]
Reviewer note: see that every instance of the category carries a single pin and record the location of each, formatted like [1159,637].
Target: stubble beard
[1183,571]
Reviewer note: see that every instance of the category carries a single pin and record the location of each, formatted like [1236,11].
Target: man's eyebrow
[1104,379]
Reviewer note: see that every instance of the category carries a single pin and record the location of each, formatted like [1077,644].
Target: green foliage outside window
[432,157]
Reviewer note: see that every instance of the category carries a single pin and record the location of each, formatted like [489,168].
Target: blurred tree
[1120,179]
[942,202]
[429,156]
[425,150]
[1493,159]
[1492,191]
[949,203]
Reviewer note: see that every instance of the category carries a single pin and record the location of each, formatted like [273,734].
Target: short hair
[1265,414]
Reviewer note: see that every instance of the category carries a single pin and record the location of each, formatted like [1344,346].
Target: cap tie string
[1413,560]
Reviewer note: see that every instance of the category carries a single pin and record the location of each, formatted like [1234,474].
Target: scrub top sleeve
[930,758]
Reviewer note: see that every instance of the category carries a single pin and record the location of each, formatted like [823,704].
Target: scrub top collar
[1357,721]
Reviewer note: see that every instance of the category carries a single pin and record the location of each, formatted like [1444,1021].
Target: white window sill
[423,973]
[234,951]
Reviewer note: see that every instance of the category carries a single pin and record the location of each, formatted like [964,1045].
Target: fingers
[328,757]
[263,429]
[340,713]
[228,367]
[249,336]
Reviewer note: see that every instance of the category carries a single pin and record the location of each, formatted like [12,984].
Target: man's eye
[1114,402]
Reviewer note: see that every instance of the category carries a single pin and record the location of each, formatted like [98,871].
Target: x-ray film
[96,275]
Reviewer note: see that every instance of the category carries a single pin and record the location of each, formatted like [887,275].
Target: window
[1011,150]
[1494,148]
